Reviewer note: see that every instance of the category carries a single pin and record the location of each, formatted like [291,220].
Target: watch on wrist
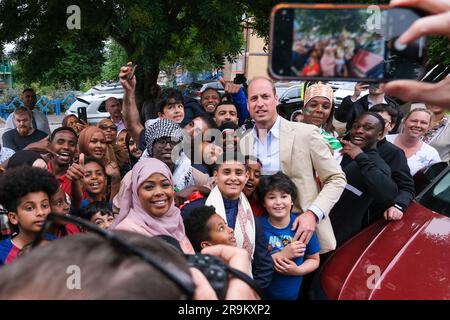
[399,207]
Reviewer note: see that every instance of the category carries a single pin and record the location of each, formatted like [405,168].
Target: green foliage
[115,57]
[78,63]
[149,31]
[438,49]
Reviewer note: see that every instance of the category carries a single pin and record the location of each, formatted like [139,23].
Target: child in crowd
[25,193]
[171,105]
[292,259]
[254,176]
[99,213]
[232,205]
[204,227]
[60,204]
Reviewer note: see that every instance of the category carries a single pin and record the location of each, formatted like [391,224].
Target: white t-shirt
[425,156]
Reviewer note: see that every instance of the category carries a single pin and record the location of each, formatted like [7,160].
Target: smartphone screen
[82,115]
[343,42]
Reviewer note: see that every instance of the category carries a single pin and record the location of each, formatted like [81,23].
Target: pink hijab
[133,214]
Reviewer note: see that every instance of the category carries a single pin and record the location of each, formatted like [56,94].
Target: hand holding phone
[437,94]
[127,78]
[343,42]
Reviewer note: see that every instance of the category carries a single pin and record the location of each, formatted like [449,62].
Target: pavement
[53,120]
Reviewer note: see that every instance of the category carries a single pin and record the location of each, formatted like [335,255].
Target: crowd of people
[325,56]
[228,176]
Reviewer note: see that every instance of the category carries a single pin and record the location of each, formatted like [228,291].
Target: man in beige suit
[299,151]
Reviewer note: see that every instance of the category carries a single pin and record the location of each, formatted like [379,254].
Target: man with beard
[63,145]
[210,99]
[23,134]
[39,120]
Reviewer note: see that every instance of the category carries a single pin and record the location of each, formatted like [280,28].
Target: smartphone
[131,75]
[82,114]
[343,42]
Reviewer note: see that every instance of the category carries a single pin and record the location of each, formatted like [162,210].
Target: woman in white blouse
[419,154]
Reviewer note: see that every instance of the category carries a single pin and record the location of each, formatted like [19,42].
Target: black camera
[214,269]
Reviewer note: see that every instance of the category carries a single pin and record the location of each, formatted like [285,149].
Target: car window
[437,198]
[102,107]
[292,93]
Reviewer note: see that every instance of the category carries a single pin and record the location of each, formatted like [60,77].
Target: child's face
[32,210]
[278,203]
[173,110]
[94,180]
[219,232]
[59,203]
[104,220]
[231,177]
[254,176]
[121,143]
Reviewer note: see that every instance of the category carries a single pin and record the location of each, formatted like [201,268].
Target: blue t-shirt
[285,287]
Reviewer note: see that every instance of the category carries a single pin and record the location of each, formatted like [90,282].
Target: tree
[147,30]
[115,57]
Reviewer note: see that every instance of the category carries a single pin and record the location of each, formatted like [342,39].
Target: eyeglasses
[166,140]
[181,279]
[111,127]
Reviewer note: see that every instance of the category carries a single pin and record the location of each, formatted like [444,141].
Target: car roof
[95,97]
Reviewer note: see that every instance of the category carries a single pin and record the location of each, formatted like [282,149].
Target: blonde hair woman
[414,126]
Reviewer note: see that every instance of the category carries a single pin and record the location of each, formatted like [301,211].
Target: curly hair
[195,225]
[18,182]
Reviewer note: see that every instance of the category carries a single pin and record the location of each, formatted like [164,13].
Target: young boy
[230,202]
[204,227]
[171,105]
[99,213]
[292,259]
[25,192]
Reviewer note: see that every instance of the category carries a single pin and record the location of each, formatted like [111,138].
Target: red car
[407,259]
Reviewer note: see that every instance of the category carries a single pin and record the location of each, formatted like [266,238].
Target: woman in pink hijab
[148,204]
[328,62]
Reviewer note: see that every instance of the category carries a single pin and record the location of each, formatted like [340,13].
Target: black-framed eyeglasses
[166,140]
[181,279]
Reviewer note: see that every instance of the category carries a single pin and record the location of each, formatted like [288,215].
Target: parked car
[106,88]
[407,259]
[290,100]
[95,106]
[196,88]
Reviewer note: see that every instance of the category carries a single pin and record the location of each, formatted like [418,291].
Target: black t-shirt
[12,139]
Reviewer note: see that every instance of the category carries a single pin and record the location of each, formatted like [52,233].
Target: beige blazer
[303,153]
